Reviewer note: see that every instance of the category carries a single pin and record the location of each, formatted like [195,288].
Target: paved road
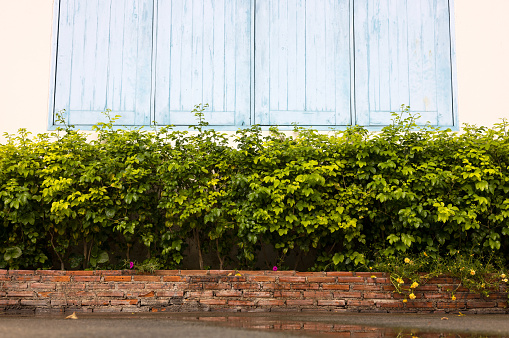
[220,325]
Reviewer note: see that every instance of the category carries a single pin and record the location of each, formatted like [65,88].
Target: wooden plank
[143,72]
[78,56]
[362,84]
[187,24]
[341,48]
[176,47]
[282,53]
[300,62]
[415,52]
[163,66]
[243,64]
[291,71]
[208,54]
[444,69]
[229,54]
[64,54]
[196,75]
[218,86]
[262,63]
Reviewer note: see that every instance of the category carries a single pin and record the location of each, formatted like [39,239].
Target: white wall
[482,53]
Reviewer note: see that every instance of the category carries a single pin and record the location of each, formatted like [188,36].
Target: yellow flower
[414,285]
[407,260]
[483,285]
[472,272]
[425,254]
[373,276]
[502,275]
[400,280]
[453,297]
[405,300]
[411,296]
[504,280]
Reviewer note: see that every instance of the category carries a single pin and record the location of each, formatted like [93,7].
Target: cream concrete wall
[482,51]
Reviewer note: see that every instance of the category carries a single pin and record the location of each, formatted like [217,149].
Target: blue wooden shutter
[203,56]
[403,56]
[302,62]
[104,60]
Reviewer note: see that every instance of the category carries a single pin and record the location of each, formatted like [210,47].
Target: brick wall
[45,291]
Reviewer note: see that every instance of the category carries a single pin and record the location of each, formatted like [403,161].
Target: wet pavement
[256,325]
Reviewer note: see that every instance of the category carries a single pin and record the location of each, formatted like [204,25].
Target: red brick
[332,302]
[346,295]
[436,296]
[31,302]
[246,286]
[21,272]
[3,271]
[9,302]
[15,286]
[115,302]
[356,302]
[261,278]
[388,288]
[213,301]
[299,302]
[199,294]
[47,286]
[288,294]
[350,280]
[193,272]
[56,279]
[79,273]
[147,294]
[412,304]
[307,286]
[321,279]
[311,274]
[99,286]
[451,305]
[215,286]
[166,272]
[376,295]
[292,279]
[228,293]
[26,278]
[170,293]
[378,280]
[390,305]
[257,294]
[59,302]
[108,272]
[221,272]
[318,327]
[146,278]
[4,278]
[280,273]
[443,280]
[339,273]
[95,302]
[317,294]
[366,287]
[50,294]
[369,274]
[50,272]
[110,294]
[130,286]
[87,279]
[158,286]
[20,293]
[117,278]
[189,286]
[271,302]
[461,295]
[241,302]
[480,304]
[174,279]
[80,294]
[427,287]
[343,287]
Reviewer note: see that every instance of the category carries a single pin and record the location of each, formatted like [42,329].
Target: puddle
[321,329]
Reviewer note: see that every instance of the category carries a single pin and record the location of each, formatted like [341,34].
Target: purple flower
[131,265]
[274,268]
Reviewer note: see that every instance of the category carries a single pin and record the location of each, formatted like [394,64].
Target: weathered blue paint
[313,62]
[104,60]
[203,56]
[403,56]
[302,71]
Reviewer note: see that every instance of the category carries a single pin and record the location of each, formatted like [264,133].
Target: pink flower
[131,265]
[274,268]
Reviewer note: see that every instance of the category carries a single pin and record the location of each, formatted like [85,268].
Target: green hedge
[342,198]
